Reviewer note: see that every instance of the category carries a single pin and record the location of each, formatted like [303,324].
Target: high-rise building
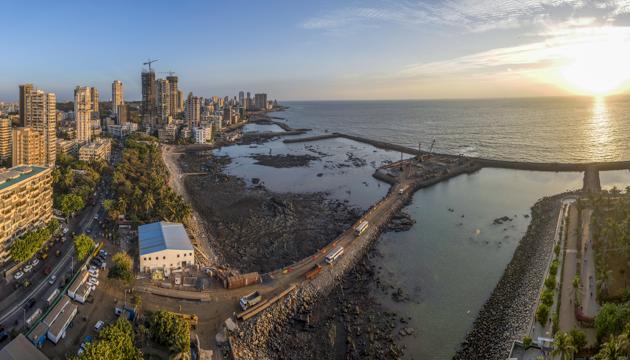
[83,113]
[175,94]
[122,114]
[149,96]
[163,100]
[41,115]
[24,89]
[27,147]
[260,101]
[180,101]
[26,203]
[241,98]
[117,95]
[95,102]
[193,111]
[5,139]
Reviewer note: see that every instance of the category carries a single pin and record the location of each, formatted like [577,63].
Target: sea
[449,262]
[564,129]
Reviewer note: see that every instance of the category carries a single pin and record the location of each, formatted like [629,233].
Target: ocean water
[571,129]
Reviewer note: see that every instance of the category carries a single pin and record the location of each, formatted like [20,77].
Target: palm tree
[563,346]
[611,350]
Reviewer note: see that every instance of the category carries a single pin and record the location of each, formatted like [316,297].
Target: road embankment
[507,313]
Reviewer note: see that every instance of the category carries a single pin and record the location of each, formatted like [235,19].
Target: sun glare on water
[597,67]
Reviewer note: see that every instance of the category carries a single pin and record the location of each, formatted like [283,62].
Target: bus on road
[360,229]
[334,255]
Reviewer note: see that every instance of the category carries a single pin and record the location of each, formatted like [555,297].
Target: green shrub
[553,269]
[542,314]
[550,282]
[547,297]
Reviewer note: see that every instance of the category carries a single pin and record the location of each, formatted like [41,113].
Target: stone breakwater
[261,337]
[507,313]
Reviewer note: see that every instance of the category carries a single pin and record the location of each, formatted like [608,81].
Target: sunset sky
[373,49]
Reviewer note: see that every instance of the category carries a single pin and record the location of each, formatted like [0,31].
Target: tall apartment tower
[180,101]
[193,111]
[260,101]
[241,98]
[175,94]
[149,96]
[5,139]
[163,100]
[41,115]
[28,147]
[117,95]
[83,113]
[24,89]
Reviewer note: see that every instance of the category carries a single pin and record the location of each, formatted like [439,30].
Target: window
[149,258]
[145,258]
[184,255]
[190,254]
[163,257]
[177,255]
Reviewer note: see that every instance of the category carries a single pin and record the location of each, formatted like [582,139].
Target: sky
[321,50]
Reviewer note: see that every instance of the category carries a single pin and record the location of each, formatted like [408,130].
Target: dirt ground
[254,229]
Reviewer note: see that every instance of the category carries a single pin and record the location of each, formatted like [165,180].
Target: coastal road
[12,304]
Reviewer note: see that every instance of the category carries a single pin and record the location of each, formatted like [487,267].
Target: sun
[597,68]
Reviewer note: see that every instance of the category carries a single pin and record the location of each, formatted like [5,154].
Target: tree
[170,330]
[115,342]
[563,346]
[542,314]
[25,247]
[613,349]
[611,319]
[122,267]
[578,339]
[71,203]
[83,244]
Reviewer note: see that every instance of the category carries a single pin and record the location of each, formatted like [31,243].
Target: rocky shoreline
[254,229]
[507,313]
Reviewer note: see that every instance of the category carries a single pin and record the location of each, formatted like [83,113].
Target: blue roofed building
[164,246]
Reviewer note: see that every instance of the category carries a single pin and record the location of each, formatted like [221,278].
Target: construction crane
[432,144]
[149,62]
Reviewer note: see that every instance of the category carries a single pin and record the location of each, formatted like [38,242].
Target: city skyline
[373,49]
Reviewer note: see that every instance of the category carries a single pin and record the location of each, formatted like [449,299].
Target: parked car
[26,283]
[99,325]
[103,252]
[27,268]
[52,279]
[29,304]
[58,252]
[93,281]
[18,275]
[34,262]
[3,336]
[47,270]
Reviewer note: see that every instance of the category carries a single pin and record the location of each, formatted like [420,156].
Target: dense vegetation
[140,186]
[25,247]
[74,182]
[83,244]
[115,342]
[122,267]
[170,330]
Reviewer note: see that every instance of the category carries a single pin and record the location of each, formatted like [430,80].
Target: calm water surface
[572,129]
[449,262]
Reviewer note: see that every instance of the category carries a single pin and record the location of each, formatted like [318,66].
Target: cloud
[471,15]
[560,46]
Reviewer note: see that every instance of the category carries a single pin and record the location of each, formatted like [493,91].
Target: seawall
[491,163]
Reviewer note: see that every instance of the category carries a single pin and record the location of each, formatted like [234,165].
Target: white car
[93,273]
[27,268]
[52,279]
[35,262]
[93,268]
[99,325]
[93,281]
[18,275]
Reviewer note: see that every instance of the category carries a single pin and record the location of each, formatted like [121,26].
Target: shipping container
[237,281]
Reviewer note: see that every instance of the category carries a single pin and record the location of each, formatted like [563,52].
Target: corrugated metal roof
[161,236]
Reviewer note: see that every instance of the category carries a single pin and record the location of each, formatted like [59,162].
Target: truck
[361,227]
[237,281]
[250,300]
[403,189]
[52,296]
[313,272]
